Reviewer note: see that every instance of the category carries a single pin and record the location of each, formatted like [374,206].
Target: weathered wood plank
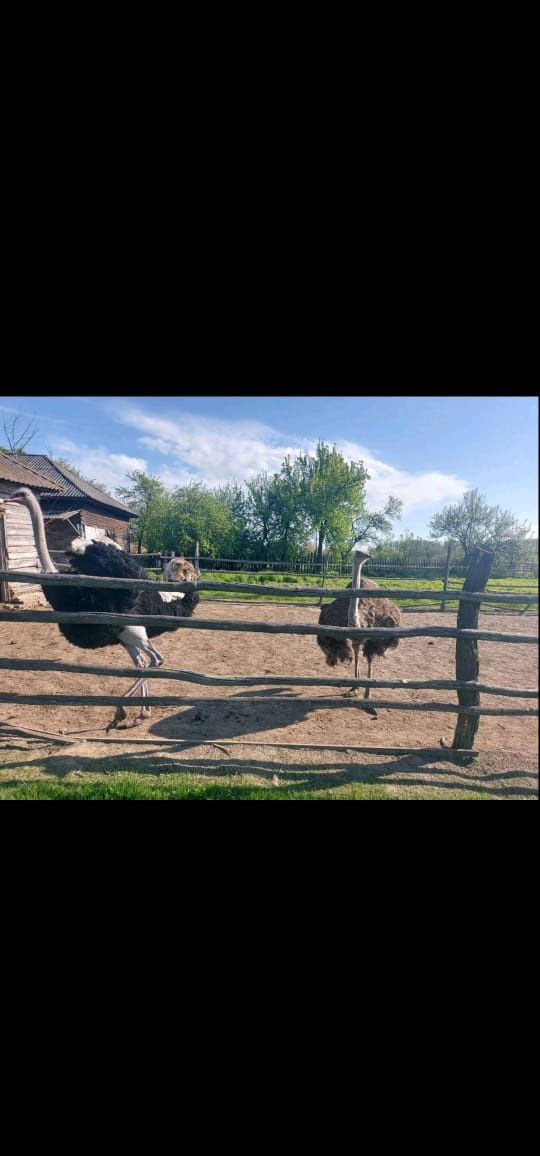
[176,700]
[139,740]
[250,588]
[467,662]
[163,672]
[166,620]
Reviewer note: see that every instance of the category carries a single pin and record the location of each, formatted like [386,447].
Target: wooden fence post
[4,587]
[447,572]
[467,663]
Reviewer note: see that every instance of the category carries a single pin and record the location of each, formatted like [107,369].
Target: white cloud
[429,488]
[216,451]
[99,463]
[207,449]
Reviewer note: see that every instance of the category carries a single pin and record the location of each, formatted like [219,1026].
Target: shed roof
[73,486]
[12,470]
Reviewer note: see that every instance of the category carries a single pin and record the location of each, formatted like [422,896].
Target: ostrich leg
[370,709]
[354,689]
[135,640]
[120,712]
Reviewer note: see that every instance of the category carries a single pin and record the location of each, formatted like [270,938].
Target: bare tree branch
[17,440]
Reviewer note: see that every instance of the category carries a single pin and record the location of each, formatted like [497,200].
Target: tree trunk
[447,572]
[467,662]
[320,545]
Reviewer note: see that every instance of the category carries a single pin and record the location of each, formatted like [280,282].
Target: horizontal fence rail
[260,680]
[82,580]
[11,731]
[167,621]
[322,700]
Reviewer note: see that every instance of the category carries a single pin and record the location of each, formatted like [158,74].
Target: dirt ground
[506,764]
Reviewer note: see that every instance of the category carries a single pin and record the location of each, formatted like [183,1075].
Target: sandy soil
[507,747]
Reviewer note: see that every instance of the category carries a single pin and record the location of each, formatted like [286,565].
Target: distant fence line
[399,566]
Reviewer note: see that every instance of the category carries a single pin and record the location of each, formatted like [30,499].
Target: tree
[291,519]
[276,515]
[17,439]
[149,499]
[196,514]
[235,499]
[471,522]
[262,509]
[376,526]
[332,494]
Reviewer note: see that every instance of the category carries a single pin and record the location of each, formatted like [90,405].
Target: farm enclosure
[507,746]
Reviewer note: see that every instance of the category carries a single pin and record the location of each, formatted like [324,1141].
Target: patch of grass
[131,788]
[339,582]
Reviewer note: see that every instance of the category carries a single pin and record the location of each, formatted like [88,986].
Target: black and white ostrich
[103,558]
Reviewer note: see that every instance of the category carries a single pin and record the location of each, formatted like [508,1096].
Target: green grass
[339,583]
[132,788]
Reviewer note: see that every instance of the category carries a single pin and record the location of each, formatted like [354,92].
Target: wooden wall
[117,528]
[60,533]
[19,541]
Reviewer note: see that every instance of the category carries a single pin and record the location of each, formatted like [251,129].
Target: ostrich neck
[38,526]
[356,579]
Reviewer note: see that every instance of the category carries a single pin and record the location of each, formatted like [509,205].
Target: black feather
[102,561]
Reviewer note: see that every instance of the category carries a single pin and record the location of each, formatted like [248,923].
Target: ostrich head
[360,551]
[179,570]
[22,495]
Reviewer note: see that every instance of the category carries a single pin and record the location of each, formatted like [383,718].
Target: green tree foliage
[276,513]
[235,499]
[375,526]
[195,514]
[262,510]
[148,497]
[291,520]
[472,523]
[332,494]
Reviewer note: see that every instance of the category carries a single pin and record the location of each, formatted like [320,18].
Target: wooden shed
[79,509]
[17,547]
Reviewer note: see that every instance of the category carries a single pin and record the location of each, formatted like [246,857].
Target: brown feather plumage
[372,612]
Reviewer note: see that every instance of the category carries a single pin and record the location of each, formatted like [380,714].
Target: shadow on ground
[421,769]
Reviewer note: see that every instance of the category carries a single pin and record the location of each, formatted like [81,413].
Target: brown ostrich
[358,612]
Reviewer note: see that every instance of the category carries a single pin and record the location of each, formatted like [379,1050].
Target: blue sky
[426,450]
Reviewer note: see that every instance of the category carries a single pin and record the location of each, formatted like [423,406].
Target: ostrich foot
[371,710]
[119,716]
[352,693]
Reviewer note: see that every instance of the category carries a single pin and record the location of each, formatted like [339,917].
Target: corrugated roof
[12,470]
[73,486]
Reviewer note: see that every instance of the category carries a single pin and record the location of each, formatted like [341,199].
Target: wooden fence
[466,634]
[399,565]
